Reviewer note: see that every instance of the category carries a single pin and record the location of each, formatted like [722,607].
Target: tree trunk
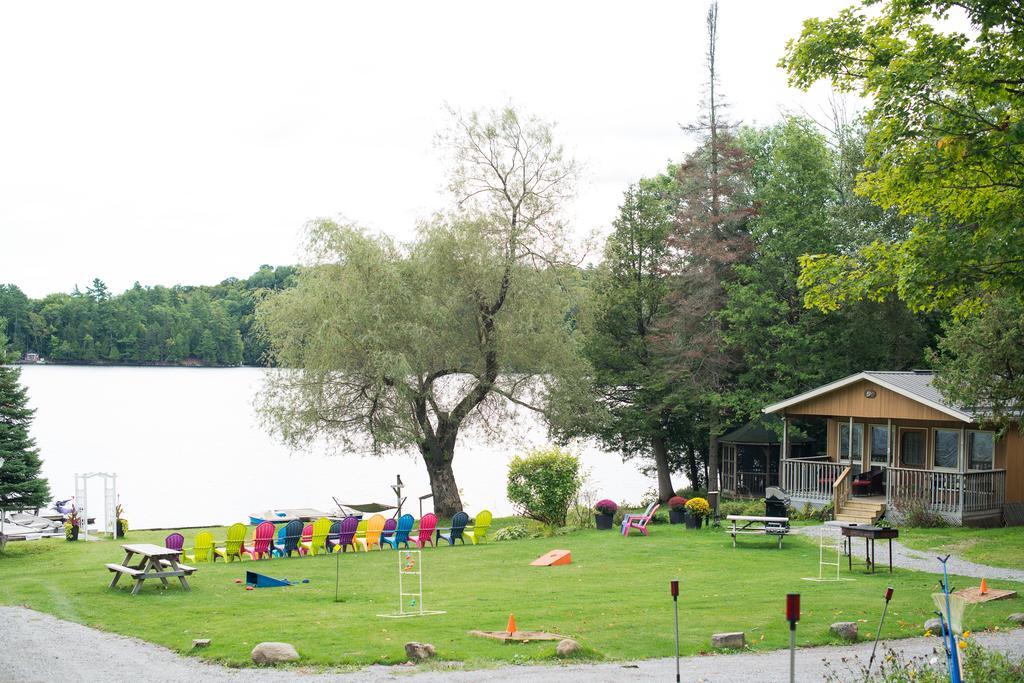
[665,490]
[438,458]
[693,471]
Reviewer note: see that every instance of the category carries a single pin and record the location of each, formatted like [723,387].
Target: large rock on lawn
[567,647]
[1016,617]
[847,630]
[418,652]
[272,653]
[735,641]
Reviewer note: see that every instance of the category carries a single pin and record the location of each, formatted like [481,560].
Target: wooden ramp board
[552,558]
[974,594]
[517,636]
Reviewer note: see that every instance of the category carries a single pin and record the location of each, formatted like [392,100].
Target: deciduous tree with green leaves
[392,346]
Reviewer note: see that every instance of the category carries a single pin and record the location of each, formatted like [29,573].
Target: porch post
[849,441]
[888,442]
[785,439]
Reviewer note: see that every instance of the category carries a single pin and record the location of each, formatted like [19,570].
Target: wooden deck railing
[950,494]
[841,490]
[810,480]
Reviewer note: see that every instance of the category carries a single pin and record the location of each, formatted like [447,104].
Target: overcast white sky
[188,142]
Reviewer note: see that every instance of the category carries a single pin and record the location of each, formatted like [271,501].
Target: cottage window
[912,448]
[946,449]
[981,449]
[844,441]
[879,444]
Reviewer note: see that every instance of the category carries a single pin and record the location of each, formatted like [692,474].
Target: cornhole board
[517,636]
[550,559]
[974,594]
[263,581]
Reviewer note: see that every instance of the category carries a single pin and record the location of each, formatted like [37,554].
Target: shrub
[513,532]
[979,664]
[543,484]
[677,502]
[913,511]
[698,507]
[606,507]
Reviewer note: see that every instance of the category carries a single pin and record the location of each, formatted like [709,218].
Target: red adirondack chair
[307,537]
[426,532]
[262,541]
[639,521]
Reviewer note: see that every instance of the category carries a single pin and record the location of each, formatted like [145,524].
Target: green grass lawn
[613,598]
[1002,547]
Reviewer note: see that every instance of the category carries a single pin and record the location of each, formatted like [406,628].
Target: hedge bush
[543,484]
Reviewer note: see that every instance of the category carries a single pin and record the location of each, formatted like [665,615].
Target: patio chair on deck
[869,483]
[639,522]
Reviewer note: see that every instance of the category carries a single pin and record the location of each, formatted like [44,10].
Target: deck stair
[866,510]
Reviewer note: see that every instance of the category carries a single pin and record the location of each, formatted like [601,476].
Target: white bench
[761,526]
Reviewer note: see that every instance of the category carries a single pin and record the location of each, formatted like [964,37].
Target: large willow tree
[389,347]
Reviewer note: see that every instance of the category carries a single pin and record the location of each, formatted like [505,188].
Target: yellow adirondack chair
[235,545]
[360,530]
[478,532]
[203,548]
[317,544]
[374,527]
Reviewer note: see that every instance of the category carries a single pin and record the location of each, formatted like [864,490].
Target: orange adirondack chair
[374,528]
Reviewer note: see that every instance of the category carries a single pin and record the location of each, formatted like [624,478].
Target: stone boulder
[847,630]
[934,625]
[567,647]
[200,642]
[419,652]
[273,653]
[735,641]
[1016,617]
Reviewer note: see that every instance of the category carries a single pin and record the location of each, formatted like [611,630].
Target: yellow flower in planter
[698,507]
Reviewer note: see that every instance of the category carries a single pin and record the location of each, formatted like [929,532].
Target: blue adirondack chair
[459,522]
[402,532]
[278,549]
[292,537]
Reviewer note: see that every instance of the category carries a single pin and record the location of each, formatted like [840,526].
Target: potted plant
[696,510]
[71,524]
[676,509]
[121,524]
[605,513]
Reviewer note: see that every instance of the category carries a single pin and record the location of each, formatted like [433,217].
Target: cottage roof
[914,384]
[760,431]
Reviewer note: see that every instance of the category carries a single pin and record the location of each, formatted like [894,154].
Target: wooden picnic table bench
[156,562]
[762,526]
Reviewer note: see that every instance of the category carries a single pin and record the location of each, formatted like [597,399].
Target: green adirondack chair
[478,532]
[318,544]
[235,545]
[202,551]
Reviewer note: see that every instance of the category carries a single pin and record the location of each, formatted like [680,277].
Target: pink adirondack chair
[307,537]
[262,541]
[426,533]
[639,521]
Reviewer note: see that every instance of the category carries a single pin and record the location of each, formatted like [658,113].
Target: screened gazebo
[750,456]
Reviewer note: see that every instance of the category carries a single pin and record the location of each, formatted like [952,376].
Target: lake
[188,450]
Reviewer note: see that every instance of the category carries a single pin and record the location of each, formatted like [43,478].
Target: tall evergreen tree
[20,483]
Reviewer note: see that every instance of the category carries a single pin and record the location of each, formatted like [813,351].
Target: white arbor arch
[109,500]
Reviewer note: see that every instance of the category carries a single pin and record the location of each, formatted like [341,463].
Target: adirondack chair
[278,547]
[262,542]
[402,531]
[477,533]
[346,534]
[174,541]
[626,518]
[640,522]
[307,537]
[374,528]
[455,530]
[331,542]
[202,550]
[318,542]
[292,537]
[235,545]
[426,532]
[389,530]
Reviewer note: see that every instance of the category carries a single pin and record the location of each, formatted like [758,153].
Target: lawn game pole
[888,597]
[792,616]
[952,656]
[674,585]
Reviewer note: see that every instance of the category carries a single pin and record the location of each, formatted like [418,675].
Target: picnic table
[155,562]
[752,524]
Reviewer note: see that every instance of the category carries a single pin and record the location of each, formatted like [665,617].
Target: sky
[183,143]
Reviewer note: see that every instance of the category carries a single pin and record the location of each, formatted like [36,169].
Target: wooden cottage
[895,444]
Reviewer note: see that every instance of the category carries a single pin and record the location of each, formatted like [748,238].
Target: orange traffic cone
[984,587]
[511,624]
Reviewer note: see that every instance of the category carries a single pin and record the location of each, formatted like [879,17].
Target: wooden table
[156,562]
[869,534]
[765,526]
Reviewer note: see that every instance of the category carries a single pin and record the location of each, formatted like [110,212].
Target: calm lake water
[188,450]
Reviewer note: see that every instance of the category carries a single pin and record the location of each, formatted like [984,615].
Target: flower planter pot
[74,534]
[692,522]
[118,530]
[676,516]
[603,521]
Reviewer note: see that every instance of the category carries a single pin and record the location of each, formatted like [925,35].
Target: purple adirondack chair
[347,534]
[175,541]
[389,531]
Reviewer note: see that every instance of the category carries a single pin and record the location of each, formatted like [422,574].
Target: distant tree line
[207,325]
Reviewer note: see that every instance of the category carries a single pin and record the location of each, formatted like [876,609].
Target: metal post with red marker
[674,589]
[792,616]
[888,597]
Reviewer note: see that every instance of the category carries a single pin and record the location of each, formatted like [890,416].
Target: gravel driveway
[41,648]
